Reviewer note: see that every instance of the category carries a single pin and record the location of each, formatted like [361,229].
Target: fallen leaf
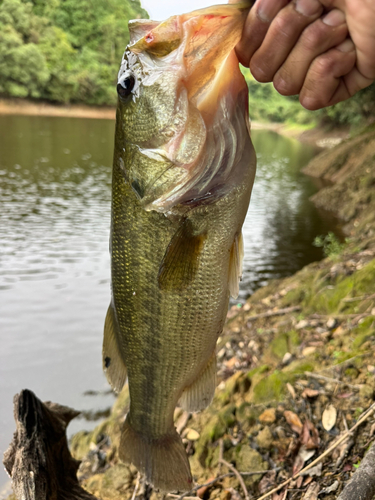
[312,492]
[314,471]
[267,483]
[310,393]
[307,481]
[291,390]
[345,395]
[310,436]
[329,418]
[280,496]
[308,351]
[331,489]
[306,454]
[298,464]
[192,435]
[294,421]
[268,416]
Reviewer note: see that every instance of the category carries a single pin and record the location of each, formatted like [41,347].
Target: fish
[183,172]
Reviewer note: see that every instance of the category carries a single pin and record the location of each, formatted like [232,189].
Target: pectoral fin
[200,394]
[235,265]
[113,364]
[181,260]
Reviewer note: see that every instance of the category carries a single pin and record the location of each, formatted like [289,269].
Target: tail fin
[163,461]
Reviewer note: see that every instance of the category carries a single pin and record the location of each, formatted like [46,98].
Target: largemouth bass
[183,172]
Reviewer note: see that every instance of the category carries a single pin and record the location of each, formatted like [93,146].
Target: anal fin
[113,365]
[200,394]
[235,265]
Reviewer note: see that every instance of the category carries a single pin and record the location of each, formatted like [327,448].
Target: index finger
[257,23]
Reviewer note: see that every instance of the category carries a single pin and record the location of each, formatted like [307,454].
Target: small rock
[310,393]
[366,392]
[371,369]
[307,351]
[192,435]
[373,312]
[302,324]
[268,416]
[265,438]
[331,323]
[287,359]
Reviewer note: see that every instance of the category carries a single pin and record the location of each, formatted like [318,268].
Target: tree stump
[38,459]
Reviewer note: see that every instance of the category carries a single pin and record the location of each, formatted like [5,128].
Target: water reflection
[54,265]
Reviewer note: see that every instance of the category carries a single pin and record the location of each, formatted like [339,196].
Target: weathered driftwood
[362,484]
[38,459]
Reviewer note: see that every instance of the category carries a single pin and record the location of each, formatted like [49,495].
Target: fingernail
[334,18]
[346,46]
[267,10]
[308,8]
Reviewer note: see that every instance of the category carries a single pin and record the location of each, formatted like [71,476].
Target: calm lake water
[55,176]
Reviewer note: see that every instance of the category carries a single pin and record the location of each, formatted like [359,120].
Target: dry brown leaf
[310,393]
[202,491]
[312,492]
[294,421]
[329,418]
[291,390]
[298,464]
[267,483]
[307,481]
[310,436]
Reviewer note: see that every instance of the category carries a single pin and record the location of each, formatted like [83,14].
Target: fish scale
[176,229]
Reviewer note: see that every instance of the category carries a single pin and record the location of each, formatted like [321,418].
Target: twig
[239,477]
[332,380]
[269,314]
[357,299]
[366,415]
[136,487]
[221,453]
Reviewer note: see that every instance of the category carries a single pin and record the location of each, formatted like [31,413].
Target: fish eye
[125,85]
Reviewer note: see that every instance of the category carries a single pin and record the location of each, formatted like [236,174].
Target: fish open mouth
[207,148]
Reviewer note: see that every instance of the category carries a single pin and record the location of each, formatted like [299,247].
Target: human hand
[303,47]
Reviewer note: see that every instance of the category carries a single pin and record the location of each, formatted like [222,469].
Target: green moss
[247,460]
[118,477]
[330,300]
[294,338]
[298,367]
[365,331]
[270,388]
[280,345]
[80,444]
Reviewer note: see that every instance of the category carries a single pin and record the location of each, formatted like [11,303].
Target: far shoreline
[317,136]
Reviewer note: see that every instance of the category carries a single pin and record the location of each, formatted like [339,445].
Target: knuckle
[283,25]
[324,65]
[284,87]
[259,71]
[313,36]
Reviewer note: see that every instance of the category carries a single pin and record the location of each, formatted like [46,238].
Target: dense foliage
[266,104]
[63,50]
[70,50]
